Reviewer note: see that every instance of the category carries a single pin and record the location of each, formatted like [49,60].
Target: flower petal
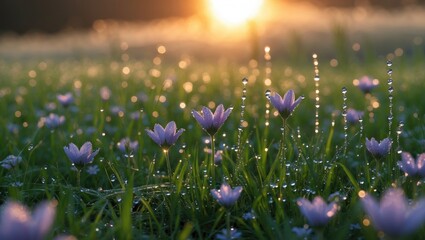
[288,99]
[277,101]
[407,164]
[153,136]
[208,117]
[218,116]
[43,217]
[199,118]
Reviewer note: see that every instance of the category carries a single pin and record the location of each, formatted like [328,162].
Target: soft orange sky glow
[234,12]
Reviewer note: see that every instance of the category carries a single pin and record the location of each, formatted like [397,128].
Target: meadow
[128,191]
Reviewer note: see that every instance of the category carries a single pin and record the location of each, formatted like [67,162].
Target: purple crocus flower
[10,161]
[93,170]
[286,105]
[379,149]
[16,222]
[105,93]
[212,122]
[394,215]
[218,155]
[53,121]
[126,144]
[412,167]
[226,196]
[366,84]
[353,116]
[225,235]
[82,156]
[65,99]
[317,212]
[302,232]
[165,137]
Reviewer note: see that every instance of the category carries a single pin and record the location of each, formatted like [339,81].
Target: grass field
[129,194]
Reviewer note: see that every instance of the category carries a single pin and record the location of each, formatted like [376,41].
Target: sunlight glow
[234,12]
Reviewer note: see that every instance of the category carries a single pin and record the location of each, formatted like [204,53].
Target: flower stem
[79,177]
[212,168]
[283,144]
[228,232]
[167,159]
[319,234]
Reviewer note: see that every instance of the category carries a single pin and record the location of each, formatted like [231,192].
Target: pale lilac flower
[366,84]
[65,99]
[82,156]
[226,196]
[125,145]
[224,235]
[302,232]
[12,128]
[286,105]
[317,212]
[212,122]
[54,121]
[353,116]
[17,223]
[394,215]
[93,170]
[412,167]
[165,137]
[105,93]
[249,215]
[10,161]
[50,106]
[135,115]
[117,110]
[217,155]
[379,149]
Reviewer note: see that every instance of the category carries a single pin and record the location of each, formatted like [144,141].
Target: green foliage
[132,197]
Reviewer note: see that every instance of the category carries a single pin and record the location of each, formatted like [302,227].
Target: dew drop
[268,92]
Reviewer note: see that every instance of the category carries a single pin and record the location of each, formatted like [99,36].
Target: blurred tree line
[22,16]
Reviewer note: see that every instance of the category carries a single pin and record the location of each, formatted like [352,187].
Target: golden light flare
[234,12]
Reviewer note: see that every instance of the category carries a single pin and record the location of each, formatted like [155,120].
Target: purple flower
[126,145]
[12,128]
[53,121]
[379,149]
[302,232]
[82,156]
[366,84]
[353,116]
[394,215]
[218,155]
[317,212]
[93,170]
[212,122]
[412,167]
[10,161]
[16,222]
[65,99]
[224,235]
[286,105]
[105,93]
[226,196]
[165,137]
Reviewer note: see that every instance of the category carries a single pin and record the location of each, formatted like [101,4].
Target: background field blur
[292,29]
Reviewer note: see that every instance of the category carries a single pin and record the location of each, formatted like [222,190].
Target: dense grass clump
[133,188]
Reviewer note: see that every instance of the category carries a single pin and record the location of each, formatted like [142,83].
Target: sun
[234,12]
